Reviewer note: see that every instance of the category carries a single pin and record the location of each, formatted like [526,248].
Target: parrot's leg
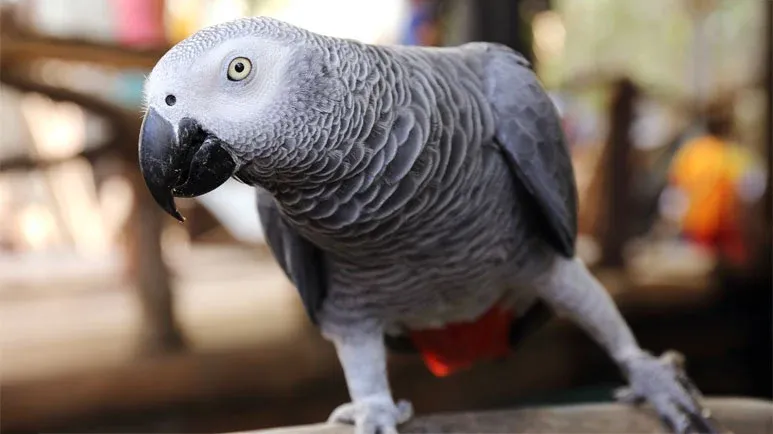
[573,292]
[372,410]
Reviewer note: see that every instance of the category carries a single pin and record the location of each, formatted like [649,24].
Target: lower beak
[188,164]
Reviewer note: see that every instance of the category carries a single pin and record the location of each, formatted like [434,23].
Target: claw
[626,395]
[705,423]
[664,384]
[373,417]
[674,358]
[343,414]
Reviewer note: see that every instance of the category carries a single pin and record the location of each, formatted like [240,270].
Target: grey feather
[529,132]
[302,262]
[408,196]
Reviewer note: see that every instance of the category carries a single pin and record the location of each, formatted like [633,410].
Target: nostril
[170,100]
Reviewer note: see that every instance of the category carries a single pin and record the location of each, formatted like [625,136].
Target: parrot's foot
[664,384]
[373,417]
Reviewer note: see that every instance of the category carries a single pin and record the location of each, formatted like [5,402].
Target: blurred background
[116,318]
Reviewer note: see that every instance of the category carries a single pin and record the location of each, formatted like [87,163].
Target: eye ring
[239,69]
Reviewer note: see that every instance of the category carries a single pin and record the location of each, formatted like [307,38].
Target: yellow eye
[239,69]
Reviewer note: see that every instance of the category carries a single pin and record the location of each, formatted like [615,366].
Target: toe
[665,385]
[683,399]
[375,424]
[626,395]
[373,416]
[673,358]
[682,388]
[671,415]
[703,423]
[404,411]
[365,428]
[372,428]
[344,413]
[700,418]
[682,420]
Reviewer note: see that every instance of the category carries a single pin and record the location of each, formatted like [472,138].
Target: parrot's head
[224,97]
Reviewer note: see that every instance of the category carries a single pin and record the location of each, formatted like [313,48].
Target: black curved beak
[189,164]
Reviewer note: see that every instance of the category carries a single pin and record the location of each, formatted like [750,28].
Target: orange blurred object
[707,170]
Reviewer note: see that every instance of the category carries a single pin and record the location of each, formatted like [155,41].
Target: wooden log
[739,415]
[612,229]
[19,79]
[25,163]
[503,21]
[162,333]
[16,50]
[124,124]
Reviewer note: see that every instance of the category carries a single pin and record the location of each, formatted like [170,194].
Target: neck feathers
[350,165]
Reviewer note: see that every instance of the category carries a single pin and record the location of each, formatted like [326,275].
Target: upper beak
[188,164]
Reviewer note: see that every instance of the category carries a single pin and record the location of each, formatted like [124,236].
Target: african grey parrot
[419,192]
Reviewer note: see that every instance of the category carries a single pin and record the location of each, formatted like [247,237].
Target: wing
[528,130]
[302,261]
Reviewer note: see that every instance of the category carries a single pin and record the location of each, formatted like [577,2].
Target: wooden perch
[739,415]
[25,163]
[24,48]
[124,124]
[114,114]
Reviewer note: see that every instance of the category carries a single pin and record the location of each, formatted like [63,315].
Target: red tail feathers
[458,346]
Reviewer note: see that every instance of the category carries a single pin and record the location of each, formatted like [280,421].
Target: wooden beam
[740,415]
[612,228]
[25,163]
[23,49]
[124,120]
[502,21]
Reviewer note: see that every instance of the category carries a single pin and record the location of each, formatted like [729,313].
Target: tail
[458,346]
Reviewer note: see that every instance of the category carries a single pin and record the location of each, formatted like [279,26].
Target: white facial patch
[202,90]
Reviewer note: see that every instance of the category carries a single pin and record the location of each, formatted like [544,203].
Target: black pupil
[170,100]
[239,67]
